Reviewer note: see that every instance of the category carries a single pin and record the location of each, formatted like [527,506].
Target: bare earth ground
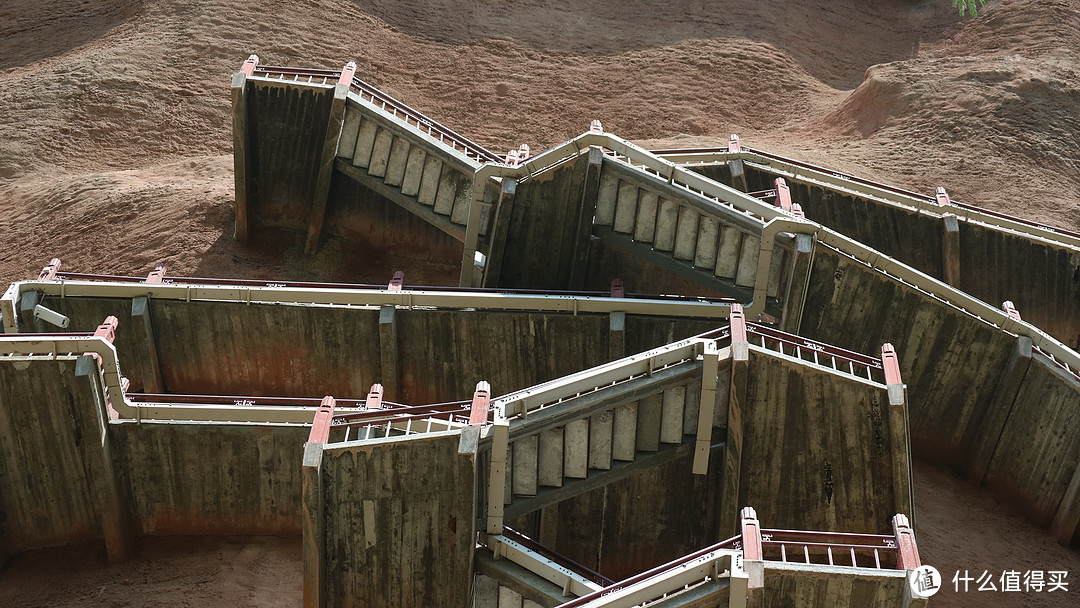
[116,154]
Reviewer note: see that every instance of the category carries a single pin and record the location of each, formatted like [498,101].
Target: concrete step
[588,445]
[410,172]
[365,141]
[447,193]
[727,256]
[396,164]
[380,153]
[606,199]
[645,220]
[667,221]
[429,182]
[748,261]
[488,593]
[688,234]
[414,171]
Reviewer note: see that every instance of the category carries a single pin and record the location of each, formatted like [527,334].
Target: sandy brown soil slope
[116,146]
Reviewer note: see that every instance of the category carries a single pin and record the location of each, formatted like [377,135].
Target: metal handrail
[440,298]
[823,544]
[812,351]
[524,401]
[912,198]
[415,412]
[84,276]
[558,558]
[390,105]
[729,544]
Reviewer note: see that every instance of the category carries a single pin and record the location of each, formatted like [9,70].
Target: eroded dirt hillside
[116,147]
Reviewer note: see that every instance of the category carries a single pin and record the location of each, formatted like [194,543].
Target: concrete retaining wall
[422,356]
[819,451]
[636,523]
[950,361]
[1042,279]
[287,126]
[210,479]
[52,480]
[398,531]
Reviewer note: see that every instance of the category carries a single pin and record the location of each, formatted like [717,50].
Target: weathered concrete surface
[818,449]
[544,217]
[951,362]
[637,523]
[68,475]
[232,348]
[1040,278]
[399,531]
[558,213]
[56,478]
[787,585]
[286,130]
[368,219]
[210,478]
[1038,452]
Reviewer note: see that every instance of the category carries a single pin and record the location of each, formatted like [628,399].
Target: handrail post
[397,281]
[250,64]
[481,404]
[500,446]
[899,432]
[374,399]
[48,273]
[907,552]
[320,426]
[751,534]
[157,275]
[313,523]
[783,194]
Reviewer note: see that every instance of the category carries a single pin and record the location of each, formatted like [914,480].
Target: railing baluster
[854,564]
[806,553]
[829,550]
[877,560]
[783,552]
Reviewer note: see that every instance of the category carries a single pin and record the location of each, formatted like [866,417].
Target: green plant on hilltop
[964,5]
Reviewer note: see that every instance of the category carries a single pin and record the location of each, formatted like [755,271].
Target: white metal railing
[571,582]
[715,563]
[521,403]
[408,298]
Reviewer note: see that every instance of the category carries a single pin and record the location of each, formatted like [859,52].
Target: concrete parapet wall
[544,216]
[209,478]
[399,519]
[799,585]
[286,127]
[52,467]
[1036,457]
[819,450]
[1042,280]
[951,361]
[232,348]
[994,265]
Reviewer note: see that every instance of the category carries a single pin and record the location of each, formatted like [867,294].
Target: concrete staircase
[625,435]
[406,165]
[678,225]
